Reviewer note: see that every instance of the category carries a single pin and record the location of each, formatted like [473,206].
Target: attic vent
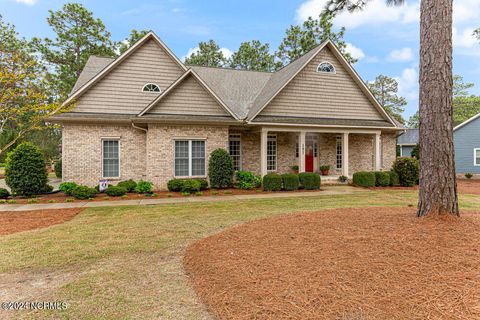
[151,87]
[326,67]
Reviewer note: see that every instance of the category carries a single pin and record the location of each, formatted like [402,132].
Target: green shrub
[416,151]
[144,187]
[115,191]
[343,178]
[394,180]
[220,169]
[4,193]
[58,168]
[290,181]
[407,170]
[246,180]
[191,185]
[128,185]
[468,175]
[364,179]
[272,182]
[382,179]
[175,185]
[309,180]
[25,171]
[83,192]
[67,187]
[47,188]
[203,184]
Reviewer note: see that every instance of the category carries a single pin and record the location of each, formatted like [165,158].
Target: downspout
[139,128]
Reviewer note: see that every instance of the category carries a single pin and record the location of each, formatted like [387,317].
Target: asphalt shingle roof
[93,67]
[411,136]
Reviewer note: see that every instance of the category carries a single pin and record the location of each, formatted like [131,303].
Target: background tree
[208,55]
[78,35]
[385,89]
[414,121]
[135,35]
[438,186]
[253,56]
[300,39]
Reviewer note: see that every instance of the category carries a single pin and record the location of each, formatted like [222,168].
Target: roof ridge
[229,69]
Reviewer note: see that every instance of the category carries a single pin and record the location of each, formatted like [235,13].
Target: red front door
[309,161]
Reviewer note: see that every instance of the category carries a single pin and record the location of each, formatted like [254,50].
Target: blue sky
[384,39]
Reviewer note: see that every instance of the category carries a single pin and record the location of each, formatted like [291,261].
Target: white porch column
[301,151]
[263,152]
[345,155]
[378,152]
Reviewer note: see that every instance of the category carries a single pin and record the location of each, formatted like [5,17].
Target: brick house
[146,115]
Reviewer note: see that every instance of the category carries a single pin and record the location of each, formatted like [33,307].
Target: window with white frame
[476,157]
[189,158]
[339,152]
[151,87]
[235,149]
[111,158]
[272,152]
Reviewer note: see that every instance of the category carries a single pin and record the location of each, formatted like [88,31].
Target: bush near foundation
[115,191]
[246,180]
[176,185]
[4,193]
[382,179]
[394,180]
[290,181]
[220,169]
[272,182]
[58,168]
[364,179]
[407,170]
[67,187]
[144,187]
[309,180]
[190,186]
[128,185]
[83,192]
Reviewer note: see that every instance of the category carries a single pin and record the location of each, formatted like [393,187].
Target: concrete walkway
[326,191]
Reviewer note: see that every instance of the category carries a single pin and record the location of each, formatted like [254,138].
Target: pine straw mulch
[370,263]
[17,221]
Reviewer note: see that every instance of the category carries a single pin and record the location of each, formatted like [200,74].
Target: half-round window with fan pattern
[326,67]
[151,87]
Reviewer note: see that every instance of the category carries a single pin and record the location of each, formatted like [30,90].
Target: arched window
[151,87]
[326,67]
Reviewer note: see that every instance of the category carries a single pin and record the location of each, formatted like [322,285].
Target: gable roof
[467,121]
[409,137]
[93,67]
[190,72]
[117,61]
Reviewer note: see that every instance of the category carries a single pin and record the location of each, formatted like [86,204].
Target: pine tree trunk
[438,186]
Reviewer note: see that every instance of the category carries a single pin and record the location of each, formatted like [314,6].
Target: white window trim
[190,158]
[151,83]
[475,157]
[241,153]
[119,156]
[334,69]
[276,152]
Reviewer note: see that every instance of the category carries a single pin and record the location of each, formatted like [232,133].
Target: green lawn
[126,262]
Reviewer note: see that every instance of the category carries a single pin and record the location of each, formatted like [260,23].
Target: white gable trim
[117,61]
[467,121]
[177,82]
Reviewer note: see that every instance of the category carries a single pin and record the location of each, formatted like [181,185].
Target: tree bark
[438,186]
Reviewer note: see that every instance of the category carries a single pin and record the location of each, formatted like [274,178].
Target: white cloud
[464,38]
[408,84]
[465,11]
[356,52]
[401,55]
[27,2]
[227,53]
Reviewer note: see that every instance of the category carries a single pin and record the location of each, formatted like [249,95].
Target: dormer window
[151,87]
[326,67]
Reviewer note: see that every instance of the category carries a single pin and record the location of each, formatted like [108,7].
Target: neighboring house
[466,137]
[406,141]
[146,115]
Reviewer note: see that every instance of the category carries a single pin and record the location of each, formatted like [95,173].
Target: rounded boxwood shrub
[144,187]
[83,192]
[220,169]
[128,185]
[175,185]
[394,180]
[407,170]
[272,182]
[309,180]
[58,168]
[191,185]
[382,179]
[4,193]
[115,191]
[290,181]
[203,184]
[67,187]
[25,170]
[364,179]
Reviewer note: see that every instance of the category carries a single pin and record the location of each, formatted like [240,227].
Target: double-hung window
[271,152]
[476,157]
[110,158]
[235,149]
[339,152]
[189,158]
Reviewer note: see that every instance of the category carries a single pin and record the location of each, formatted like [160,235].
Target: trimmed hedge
[407,170]
[144,187]
[176,185]
[83,192]
[272,182]
[4,193]
[191,185]
[290,181]
[67,187]
[58,168]
[394,180]
[25,170]
[128,185]
[382,179]
[115,191]
[309,180]
[364,179]
[246,180]
[220,169]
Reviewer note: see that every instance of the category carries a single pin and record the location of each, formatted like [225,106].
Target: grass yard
[126,262]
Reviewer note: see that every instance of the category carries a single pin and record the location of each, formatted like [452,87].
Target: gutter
[139,128]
